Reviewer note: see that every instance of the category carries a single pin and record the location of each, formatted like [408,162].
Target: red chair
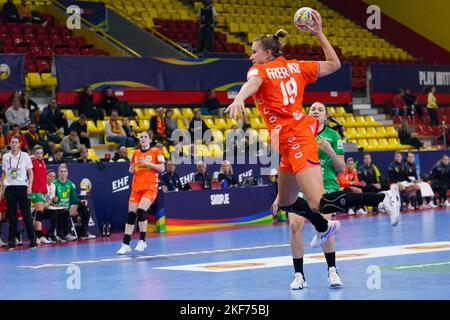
[56,41]
[61,50]
[43,66]
[73,51]
[31,67]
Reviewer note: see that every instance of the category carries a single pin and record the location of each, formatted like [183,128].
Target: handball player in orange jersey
[277,86]
[145,164]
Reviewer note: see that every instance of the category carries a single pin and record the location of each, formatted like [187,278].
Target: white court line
[282,261]
[168,255]
[422,265]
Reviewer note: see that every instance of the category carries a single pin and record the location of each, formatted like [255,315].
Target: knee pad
[300,205]
[141,215]
[131,217]
[39,216]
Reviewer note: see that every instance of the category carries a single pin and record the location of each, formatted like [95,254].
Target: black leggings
[18,195]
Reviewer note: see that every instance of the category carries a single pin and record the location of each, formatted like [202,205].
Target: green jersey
[330,182]
[66,193]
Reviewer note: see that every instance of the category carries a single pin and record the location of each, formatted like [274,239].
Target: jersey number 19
[289,91]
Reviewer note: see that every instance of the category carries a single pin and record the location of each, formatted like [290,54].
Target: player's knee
[39,215]
[296,225]
[131,217]
[141,215]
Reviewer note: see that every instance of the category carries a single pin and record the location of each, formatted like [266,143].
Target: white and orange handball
[303,18]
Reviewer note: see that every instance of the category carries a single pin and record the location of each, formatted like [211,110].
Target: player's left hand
[325,146]
[237,107]
[316,29]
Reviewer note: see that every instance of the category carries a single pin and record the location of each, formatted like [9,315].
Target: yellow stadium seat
[93,155]
[135,125]
[48,80]
[187,113]
[218,135]
[361,133]
[360,121]
[231,122]
[221,124]
[149,112]
[35,80]
[256,123]
[209,123]
[373,144]
[363,143]
[264,135]
[381,132]
[331,110]
[166,153]
[144,125]
[181,124]
[203,150]
[256,112]
[383,144]
[391,132]
[371,132]
[351,133]
[92,128]
[139,113]
[340,111]
[350,122]
[176,113]
[70,114]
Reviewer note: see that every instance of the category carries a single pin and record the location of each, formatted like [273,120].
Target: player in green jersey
[331,156]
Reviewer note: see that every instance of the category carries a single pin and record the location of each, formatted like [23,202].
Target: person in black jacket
[368,175]
[197,127]
[80,127]
[10,11]
[170,181]
[33,137]
[52,119]
[440,179]
[407,138]
[202,175]
[109,101]
[87,106]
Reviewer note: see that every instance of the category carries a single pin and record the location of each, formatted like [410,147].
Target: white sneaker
[70,237]
[361,211]
[391,204]
[350,212]
[2,244]
[88,236]
[43,240]
[321,237]
[124,249]
[333,278]
[411,207]
[141,246]
[298,282]
[432,205]
[446,203]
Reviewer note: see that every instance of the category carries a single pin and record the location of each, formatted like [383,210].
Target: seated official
[202,175]
[170,181]
[226,177]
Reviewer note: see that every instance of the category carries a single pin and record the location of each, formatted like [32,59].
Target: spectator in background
[87,106]
[71,145]
[440,179]
[398,104]
[213,105]
[369,175]
[10,11]
[171,123]
[129,129]
[3,144]
[407,138]
[207,16]
[81,128]
[121,155]
[33,138]
[18,115]
[425,191]
[226,176]
[410,101]
[57,157]
[170,181]
[197,127]
[15,132]
[109,101]
[432,106]
[349,182]
[84,156]
[30,105]
[53,119]
[398,174]
[115,133]
[202,175]
[158,125]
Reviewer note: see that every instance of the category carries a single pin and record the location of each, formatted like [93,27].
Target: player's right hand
[131,170]
[237,107]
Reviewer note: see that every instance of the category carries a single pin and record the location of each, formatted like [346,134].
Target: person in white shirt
[17,114]
[18,179]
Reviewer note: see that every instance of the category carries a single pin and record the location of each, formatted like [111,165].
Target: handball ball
[303,18]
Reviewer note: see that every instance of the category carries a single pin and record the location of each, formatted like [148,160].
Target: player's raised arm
[247,90]
[332,63]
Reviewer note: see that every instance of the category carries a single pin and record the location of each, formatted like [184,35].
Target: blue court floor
[376,261]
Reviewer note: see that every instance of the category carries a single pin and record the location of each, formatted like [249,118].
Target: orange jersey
[279,98]
[144,177]
[347,177]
